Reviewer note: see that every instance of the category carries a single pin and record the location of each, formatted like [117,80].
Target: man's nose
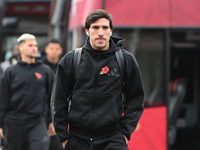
[101,32]
[35,48]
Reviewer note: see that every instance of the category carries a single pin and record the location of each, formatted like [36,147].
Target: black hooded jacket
[25,92]
[96,106]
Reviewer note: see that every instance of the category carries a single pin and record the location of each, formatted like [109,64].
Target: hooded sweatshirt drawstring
[91,144]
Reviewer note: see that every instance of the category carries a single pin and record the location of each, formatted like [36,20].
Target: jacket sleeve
[59,105]
[134,98]
[50,79]
[4,96]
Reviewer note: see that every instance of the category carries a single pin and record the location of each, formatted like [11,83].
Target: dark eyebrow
[96,26]
[33,45]
[105,27]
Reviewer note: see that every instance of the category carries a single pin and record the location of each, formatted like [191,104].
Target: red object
[105,70]
[25,8]
[38,75]
[151,132]
[164,13]
[80,9]
[174,83]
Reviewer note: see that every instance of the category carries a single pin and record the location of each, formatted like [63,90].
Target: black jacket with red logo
[96,106]
[25,92]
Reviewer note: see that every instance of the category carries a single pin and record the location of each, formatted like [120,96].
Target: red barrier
[151,132]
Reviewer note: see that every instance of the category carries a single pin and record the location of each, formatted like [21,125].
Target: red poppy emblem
[38,75]
[105,70]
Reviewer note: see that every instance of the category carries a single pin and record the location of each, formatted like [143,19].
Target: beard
[30,56]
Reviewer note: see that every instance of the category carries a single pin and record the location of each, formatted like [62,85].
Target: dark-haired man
[25,98]
[95,116]
[53,51]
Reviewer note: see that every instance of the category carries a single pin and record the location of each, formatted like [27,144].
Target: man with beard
[97,115]
[25,97]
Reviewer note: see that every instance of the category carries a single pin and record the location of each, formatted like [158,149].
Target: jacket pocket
[80,111]
[97,114]
[105,113]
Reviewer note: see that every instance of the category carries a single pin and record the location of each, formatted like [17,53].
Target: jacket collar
[115,44]
[37,62]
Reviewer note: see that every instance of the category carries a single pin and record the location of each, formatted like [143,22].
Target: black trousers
[55,144]
[31,136]
[114,142]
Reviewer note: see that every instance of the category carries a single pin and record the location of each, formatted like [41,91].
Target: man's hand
[1,133]
[64,143]
[126,140]
[51,130]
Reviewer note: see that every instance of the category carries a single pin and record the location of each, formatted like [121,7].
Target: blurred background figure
[13,59]
[53,51]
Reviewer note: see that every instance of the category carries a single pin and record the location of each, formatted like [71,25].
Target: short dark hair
[97,14]
[54,41]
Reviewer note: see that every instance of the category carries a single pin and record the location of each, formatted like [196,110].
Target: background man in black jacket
[53,51]
[96,117]
[25,97]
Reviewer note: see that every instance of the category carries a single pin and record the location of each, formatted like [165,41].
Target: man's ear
[87,32]
[20,48]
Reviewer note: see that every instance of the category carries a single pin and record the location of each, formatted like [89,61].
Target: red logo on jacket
[38,75]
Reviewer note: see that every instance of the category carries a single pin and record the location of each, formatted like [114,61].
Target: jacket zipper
[94,98]
[25,101]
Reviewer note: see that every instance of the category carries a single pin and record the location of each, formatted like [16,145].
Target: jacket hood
[115,44]
[37,62]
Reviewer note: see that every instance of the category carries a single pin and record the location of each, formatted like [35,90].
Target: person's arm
[64,143]
[134,101]
[1,133]
[51,130]
[49,85]
[61,90]
[5,96]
